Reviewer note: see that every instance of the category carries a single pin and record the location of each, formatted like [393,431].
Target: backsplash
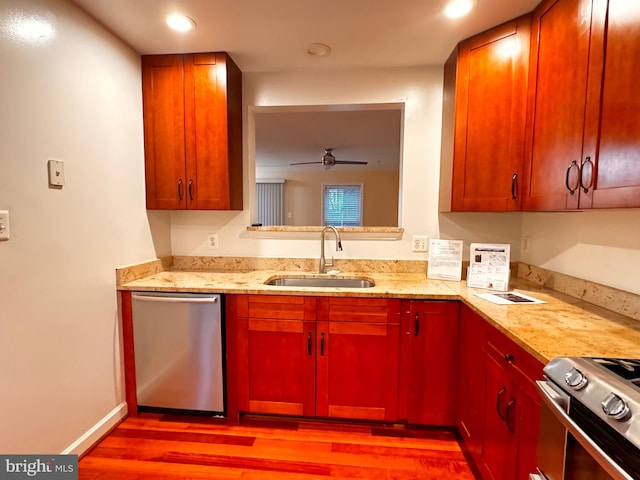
[619,301]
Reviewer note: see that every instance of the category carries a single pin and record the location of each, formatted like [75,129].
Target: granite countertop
[562,326]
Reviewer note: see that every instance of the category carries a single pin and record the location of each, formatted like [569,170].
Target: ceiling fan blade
[304,163]
[349,162]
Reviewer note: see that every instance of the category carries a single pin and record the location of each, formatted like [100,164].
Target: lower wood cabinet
[471,378]
[318,356]
[421,362]
[429,362]
[498,408]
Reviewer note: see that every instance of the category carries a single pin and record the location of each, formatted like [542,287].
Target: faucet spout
[323,262]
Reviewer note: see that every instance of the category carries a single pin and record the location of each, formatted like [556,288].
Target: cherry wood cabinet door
[164,141]
[499,445]
[490,113]
[276,354]
[471,380]
[558,71]
[357,342]
[611,177]
[527,426]
[212,111]
[430,342]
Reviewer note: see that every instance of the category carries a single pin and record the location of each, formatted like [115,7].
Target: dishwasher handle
[173,299]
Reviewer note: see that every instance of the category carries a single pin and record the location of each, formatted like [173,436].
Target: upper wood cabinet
[192,107]
[484,112]
[583,122]
[613,178]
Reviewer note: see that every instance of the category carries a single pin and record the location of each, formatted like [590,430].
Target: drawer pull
[498,398]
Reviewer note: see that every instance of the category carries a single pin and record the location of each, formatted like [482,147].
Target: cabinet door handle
[322,344]
[509,358]
[416,330]
[309,344]
[190,188]
[587,161]
[513,186]
[507,415]
[498,398]
[180,189]
[566,180]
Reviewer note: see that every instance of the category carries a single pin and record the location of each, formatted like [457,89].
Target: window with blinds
[270,202]
[342,205]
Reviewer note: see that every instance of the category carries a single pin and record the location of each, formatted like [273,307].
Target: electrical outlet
[212,241]
[56,173]
[420,243]
[5,231]
[526,240]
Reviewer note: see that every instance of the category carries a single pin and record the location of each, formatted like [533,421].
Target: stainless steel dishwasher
[178,344]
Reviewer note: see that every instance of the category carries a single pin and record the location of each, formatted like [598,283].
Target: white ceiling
[273,35]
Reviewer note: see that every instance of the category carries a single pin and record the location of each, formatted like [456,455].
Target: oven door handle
[554,401]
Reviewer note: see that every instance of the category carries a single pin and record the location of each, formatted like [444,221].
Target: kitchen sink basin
[326,282]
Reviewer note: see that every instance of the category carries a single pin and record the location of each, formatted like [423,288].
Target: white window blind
[270,202]
[342,205]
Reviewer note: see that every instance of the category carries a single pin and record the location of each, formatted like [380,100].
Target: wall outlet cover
[420,243]
[212,241]
[56,173]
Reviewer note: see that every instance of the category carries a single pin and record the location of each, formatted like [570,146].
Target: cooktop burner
[627,369]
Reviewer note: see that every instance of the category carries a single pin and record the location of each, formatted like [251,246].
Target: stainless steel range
[590,420]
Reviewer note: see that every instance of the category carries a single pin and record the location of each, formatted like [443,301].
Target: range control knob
[615,407]
[575,379]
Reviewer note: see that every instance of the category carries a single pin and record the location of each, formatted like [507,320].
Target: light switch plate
[5,230]
[56,173]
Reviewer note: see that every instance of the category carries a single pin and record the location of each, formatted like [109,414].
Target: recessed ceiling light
[318,50]
[180,23]
[458,8]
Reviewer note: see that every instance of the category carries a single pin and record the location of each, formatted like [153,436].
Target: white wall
[602,246]
[421,91]
[74,96]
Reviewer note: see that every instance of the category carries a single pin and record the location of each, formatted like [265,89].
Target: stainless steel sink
[326,282]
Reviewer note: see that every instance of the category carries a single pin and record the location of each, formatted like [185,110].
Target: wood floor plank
[179,447]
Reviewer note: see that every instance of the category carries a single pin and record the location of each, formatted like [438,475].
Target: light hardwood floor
[155,446]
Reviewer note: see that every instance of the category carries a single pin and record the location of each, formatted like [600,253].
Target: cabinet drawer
[276,307]
[369,310]
[521,365]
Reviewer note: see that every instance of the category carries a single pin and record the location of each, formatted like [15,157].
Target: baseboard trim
[99,430]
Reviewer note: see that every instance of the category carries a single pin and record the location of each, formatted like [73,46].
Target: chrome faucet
[323,263]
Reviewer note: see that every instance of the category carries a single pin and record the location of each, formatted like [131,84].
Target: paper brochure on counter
[509,298]
[445,260]
[489,266]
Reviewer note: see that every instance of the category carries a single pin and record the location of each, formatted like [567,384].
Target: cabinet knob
[509,358]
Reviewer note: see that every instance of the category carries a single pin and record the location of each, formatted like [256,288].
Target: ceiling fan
[328,160]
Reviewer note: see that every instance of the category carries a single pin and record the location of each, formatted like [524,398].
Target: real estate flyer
[445,259]
[489,266]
